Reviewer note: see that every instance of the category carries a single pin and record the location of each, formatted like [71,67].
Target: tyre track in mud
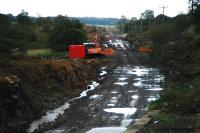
[116,102]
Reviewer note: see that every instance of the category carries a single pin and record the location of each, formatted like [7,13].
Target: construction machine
[89,50]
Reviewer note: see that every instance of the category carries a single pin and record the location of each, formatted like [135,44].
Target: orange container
[76,51]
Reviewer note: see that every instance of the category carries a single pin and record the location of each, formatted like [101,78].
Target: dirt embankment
[28,88]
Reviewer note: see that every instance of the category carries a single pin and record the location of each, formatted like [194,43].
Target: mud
[117,101]
[29,88]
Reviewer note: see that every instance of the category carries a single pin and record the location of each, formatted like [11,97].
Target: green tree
[195,11]
[23,18]
[6,33]
[148,16]
[65,32]
[10,37]
[122,24]
[133,24]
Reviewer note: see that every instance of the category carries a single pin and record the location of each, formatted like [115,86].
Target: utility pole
[135,25]
[163,7]
[149,21]
[141,26]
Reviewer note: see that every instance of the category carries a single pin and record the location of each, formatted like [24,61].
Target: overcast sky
[92,8]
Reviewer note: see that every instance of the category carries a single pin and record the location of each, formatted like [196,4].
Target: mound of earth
[28,88]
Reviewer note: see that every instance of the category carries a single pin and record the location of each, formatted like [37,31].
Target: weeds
[180,98]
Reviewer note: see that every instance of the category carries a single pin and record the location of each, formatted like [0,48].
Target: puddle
[103,68]
[151,99]
[103,73]
[111,105]
[52,115]
[138,84]
[135,97]
[122,79]
[113,100]
[91,87]
[139,72]
[121,83]
[55,131]
[114,92]
[107,130]
[125,111]
[132,91]
[155,89]
[95,96]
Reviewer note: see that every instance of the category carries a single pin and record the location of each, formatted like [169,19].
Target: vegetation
[65,32]
[20,33]
[46,53]
[175,45]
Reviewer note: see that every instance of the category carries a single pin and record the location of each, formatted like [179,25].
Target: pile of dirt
[28,88]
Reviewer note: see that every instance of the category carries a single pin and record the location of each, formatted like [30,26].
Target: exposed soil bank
[28,88]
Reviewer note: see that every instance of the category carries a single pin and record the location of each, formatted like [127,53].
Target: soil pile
[28,88]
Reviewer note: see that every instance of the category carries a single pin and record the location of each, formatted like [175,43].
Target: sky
[93,8]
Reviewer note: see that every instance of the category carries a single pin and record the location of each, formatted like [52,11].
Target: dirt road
[120,99]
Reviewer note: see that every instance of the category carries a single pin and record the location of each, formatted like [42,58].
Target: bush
[65,32]
[179,98]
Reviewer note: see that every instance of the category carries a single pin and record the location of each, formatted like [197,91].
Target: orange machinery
[97,50]
[145,50]
[89,50]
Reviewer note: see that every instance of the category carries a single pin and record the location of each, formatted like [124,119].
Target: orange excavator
[98,51]
[91,50]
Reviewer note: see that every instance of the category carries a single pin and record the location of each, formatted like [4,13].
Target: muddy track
[119,100]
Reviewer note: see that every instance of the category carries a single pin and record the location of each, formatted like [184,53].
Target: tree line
[21,32]
[148,20]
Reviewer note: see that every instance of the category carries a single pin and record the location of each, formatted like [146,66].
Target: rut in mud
[119,100]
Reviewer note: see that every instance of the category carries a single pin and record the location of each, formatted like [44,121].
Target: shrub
[179,98]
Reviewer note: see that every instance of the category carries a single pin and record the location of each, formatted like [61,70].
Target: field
[47,53]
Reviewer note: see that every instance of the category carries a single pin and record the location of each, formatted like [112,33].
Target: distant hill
[98,21]
[84,20]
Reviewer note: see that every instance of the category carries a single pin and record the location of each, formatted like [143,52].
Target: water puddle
[135,97]
[152,98]
[95,97]
[122,79]
[55,131]
[49,117]
[107,130]
[52,115]
[125,111]
[121,83]
[141,78]
[91,87]
[155,89]
[111,105]
[114,92]
[103,73]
